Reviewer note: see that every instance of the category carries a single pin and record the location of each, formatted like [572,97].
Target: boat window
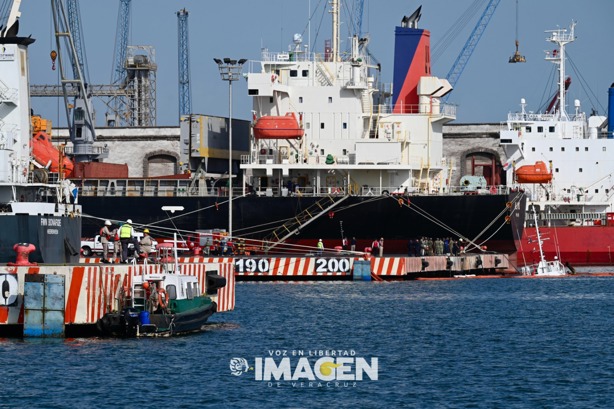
[540,129]
[345,125]
[322,152]
[603,149]
[171,290]
[271,100]
[300,100]
[586,149]
[577,149]
[596,190]
[562,149]
[321,125]
[293,73]
[580,170]
[307,125]
[551,129]
[252,92]
[305,73]
[528,129]
[556,170]
[330,100]
[188,291]
[533,149]
[551,149]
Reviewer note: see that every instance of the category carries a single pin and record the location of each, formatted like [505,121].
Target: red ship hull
[578,245]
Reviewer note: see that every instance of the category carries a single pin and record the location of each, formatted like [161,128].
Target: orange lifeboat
[45,153]
[537,173]
[278,127]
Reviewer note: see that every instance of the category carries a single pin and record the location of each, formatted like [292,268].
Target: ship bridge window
[252,92]
[551,129]
[305,73]
[540,129]
[293,73]
[528,129]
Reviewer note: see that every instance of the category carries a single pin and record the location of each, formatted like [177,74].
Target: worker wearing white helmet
[126,236]
[106,236]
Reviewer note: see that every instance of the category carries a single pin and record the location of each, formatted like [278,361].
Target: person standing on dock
[375,247]
[146,243]
[320,247]
[105,238]
[126,236]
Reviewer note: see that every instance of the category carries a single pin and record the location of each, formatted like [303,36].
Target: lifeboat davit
[537,173]
[44,153]
[278,127]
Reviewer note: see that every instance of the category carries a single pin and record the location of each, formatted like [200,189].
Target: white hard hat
[320,240]
[107,222]
[129,221]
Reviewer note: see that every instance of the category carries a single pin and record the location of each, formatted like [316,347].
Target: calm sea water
[488,343]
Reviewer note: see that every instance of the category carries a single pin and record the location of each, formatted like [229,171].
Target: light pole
[230,70]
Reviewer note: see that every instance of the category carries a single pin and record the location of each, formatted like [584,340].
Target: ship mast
[560,37]
[335,12]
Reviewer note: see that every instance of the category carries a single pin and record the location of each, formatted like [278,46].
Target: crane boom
[74,22]
[185,97]
[121,42]
[472,42]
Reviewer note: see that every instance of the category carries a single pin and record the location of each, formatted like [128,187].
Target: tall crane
[472,42]
[185,97]
[81,125]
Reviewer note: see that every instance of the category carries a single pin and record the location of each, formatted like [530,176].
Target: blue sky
[488,89]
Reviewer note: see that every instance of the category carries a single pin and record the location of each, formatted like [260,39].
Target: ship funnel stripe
[411,61]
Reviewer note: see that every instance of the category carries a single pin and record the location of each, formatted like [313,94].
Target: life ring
[162,303]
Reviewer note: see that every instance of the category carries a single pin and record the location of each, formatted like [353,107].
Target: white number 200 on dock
[332,265]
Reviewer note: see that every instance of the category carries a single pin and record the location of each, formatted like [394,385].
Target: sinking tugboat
[162,305]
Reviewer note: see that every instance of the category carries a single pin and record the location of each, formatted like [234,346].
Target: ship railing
[300,55]
[432,109]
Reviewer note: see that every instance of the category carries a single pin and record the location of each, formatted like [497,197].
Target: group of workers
[122,237]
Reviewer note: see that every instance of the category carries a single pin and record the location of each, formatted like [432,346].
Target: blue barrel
[144,318]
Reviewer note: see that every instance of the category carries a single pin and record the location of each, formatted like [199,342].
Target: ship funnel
[412,60]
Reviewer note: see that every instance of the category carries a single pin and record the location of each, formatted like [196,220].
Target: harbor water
[480,343]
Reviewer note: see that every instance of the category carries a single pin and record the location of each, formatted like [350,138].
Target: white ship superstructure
[349,143]
[578,185]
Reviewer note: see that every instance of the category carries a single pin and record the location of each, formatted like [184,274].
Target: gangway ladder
[294,225]
[139,300]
